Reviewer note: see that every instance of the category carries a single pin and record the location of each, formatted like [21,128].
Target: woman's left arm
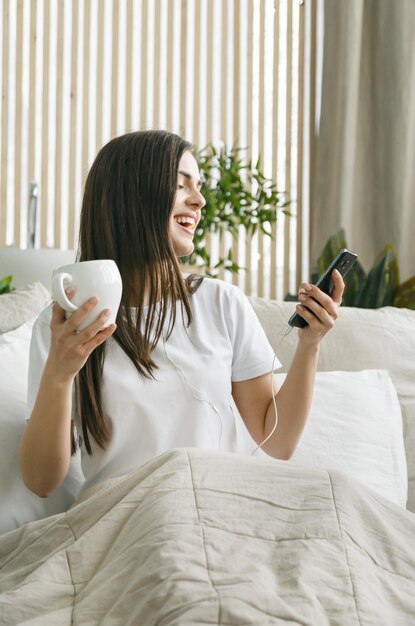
[254,397]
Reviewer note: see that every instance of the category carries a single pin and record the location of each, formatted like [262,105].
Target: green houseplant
[379,287]
[237,194]
[6,285]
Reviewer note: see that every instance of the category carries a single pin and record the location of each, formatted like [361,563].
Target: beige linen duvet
[197,538]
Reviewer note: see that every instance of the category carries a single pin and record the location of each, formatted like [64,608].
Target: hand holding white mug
[100,279]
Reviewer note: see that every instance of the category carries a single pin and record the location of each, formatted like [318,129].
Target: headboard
[28,266]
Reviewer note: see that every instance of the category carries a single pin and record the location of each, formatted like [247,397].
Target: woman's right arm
[45,447]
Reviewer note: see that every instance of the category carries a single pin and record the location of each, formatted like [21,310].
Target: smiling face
[188,203]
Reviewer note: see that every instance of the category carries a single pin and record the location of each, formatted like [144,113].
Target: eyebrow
[190,177]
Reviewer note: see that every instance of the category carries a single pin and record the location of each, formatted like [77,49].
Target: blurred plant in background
[6,285]
[237,194]
[379,287]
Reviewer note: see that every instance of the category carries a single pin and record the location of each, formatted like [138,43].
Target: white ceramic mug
[100,278]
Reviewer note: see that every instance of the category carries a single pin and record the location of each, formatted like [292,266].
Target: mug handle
[58,291]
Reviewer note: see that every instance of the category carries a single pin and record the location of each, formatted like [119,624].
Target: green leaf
[379,288]
[355,279]
[354,284]
[334,244]
[5,285]
[382,281]
[404,295]
[227,183]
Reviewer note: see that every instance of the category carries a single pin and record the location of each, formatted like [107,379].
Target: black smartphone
[343,262]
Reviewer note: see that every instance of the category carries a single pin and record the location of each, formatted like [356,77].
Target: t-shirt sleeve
[38,354]
[39,349]
[252,353]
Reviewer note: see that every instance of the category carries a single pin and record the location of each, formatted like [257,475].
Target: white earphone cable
[199,396]
[287,332]
[195,392]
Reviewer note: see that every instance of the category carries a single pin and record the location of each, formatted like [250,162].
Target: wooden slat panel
[236,107]
[196,78]
[216,80]
[312,112]
[261,74]
[224,70]
[261,135]
[137,64]
[32,91]
[249,98]
[224,101]
[275,113]
[99,76]
[210,52]
[85,89]
[156,67]
[18,126]
[300,146]
[288,104]
[4,124]
[58,125]
[183,64]
[128,69]
[44,178]
[169,94]
[236,70]
[115,68]
[73,123]
[143,65]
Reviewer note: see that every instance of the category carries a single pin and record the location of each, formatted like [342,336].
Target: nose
[196,199]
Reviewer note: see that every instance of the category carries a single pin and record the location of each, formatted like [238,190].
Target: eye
[179,186]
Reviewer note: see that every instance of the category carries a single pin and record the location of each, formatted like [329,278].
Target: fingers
[337,293]
[325,300]
[67,329]
[84,336]
[85,342]
[75,320]
[318,318]
[58,313]
[71,348]
[318,308]
[101,336]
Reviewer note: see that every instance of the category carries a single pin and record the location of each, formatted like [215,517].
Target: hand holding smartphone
[342,263]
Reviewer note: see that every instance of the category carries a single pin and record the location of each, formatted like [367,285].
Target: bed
[201,537]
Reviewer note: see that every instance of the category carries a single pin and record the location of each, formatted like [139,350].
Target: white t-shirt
[189,403]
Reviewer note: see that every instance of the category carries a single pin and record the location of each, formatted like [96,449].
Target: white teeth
[185,220]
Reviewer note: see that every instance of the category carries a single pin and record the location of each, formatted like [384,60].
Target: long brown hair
[128,198]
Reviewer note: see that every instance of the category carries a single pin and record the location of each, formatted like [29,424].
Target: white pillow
[21,305]
[355,426]
[361,339]
[18,505]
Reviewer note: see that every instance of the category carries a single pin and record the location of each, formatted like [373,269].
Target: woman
[187,364]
